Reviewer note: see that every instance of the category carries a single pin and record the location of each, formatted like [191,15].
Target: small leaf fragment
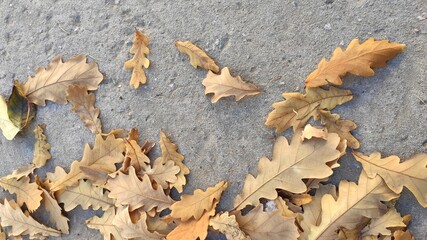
[198,58]
[55,212]
[41,147]
[342,127]
[380,225]
[139,61]
[227,225]
[312,131]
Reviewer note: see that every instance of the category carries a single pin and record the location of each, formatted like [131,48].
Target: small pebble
[119,86]
[170,85]
[327,26]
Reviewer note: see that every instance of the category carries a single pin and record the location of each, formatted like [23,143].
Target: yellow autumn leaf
[260,225]
[55,212]
[41,147]
[8,129]
[84,105]
[298,108]
[380,225]
[358,59]
[105,225]
[224,85]
[129,190]
[411,173]
[290,164]
[198,58]
[139,61]
[51,83]
[26,192]
[193,206]
[227,225]
[342,127]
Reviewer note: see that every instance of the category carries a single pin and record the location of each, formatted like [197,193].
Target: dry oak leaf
[86,195]
[282,205]
[298,108]
[354,234]
[55,212]
[135,157]
[290,164]
[162,225]
[198,58]
[163,174]
[227,225]
[313,131]
[260,225]
[104,155]
[130,230]
[12,215]
[354,202]
[8,129]
[193,206]
[357,59]
[105,225]
[128,189]
[224,85]
[26,192]
[170,152]
[380,225]
[41,148]
[84,105]
[411,173]
[139,49]
[193,229]
[341,127]
[403,235]
[51,83]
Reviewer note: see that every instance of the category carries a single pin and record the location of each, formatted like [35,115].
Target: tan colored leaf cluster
[139,61]
[198,58]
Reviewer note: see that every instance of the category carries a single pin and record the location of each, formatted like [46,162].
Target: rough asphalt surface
[274,44]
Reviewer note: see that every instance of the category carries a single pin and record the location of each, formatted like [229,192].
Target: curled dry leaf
[341,127]
[135,157]
[403,235]
[162,225]
[105,225]
[139,61]
[55,212]
[198,58]
[8,129]
[411,173]
[41,147]
[193,206]
[128,189]
[227,225]
[317,132]
[170,153]
[20,111]
[164,175]
[224,85]
[26,192]
[259,224]
[51,83]
[86,195]
[354,202]
[357,59]
[380,225]
[290,164]
[23,171]
[282,206]
[84,105]
[298,108]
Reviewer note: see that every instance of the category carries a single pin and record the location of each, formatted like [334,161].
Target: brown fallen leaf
[105,225]
[357,59]
[198,58]
[19,109]
[342,127]
[139,61]
[224,85]
[193,206]
[23,171]
[129,190]
[26,192]
[411,173]
[12,216]
[84,105]
[97,177]
[227,225]
[290,164]
[403,235]
[162,225]
[51,83]
[380,225]
[135,157]
[41,147]
[164,175]
[355,233]
[298,108]
[283,207]
[314,131]
[133,135]
[86,196]
[170,153]
[259,225]
[3,235]
[55,212]
[300,199]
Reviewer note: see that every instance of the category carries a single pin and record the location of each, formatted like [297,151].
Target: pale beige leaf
[170,152]
[128,189]
[290,164]
[357,59]
[227,225]
[342,127]
[135,157]
[86,196]
[380,225]
[26,192]
[53,177]
[317,132]
[84,105]
[41,148]
[55,212]
[22,224]
[97,177]
[260,225]
[192,229]
[105,225]
[298,108]
[22,171]
[104,155]
[354,202]
[130,230]
[8,129]
[51,83]
[163,174]
[198,58]
[139,61]
[411,173]
[224,85]
[193,206]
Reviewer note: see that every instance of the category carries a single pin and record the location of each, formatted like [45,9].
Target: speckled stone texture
[274,44]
